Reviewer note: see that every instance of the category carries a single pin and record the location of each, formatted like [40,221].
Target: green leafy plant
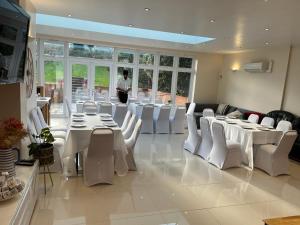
[45,139]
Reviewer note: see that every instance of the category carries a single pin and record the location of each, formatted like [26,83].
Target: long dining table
[248,135]
[78,138]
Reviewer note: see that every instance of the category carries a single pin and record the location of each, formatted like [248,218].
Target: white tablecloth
[79,106]
[248,138]
[78,139]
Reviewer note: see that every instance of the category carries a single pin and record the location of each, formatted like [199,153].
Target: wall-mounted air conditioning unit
[259,67]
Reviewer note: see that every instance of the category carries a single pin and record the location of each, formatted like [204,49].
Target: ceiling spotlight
[147,9]
[69,15]
[130,25]
[181,32]
[267,43]
[212,20]
[267,29]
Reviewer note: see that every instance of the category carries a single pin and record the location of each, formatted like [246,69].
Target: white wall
[261,92]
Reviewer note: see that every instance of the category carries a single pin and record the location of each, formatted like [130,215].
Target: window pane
[103,52]
[183,87]
[53,49]
[147,59]
[165,60]
[102,79]
[81,50]
[54,84]
[145,82]
[185,62]
[79,82]
[125,57]
[164,85]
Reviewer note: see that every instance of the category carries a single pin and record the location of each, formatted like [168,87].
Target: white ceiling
[239,24]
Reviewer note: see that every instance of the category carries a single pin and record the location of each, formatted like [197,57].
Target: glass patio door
[100,81]
[80,81]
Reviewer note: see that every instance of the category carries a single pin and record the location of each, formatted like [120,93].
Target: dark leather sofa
[277,115]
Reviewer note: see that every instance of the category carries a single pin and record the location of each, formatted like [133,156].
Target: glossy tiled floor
[171,187]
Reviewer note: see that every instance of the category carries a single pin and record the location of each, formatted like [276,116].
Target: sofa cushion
[279,115]
[236,114]
[222,109]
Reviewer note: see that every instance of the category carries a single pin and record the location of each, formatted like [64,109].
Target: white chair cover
[36,120]
[224,154]
[284,126]
[274,159]
[207,142]
[129,129]
[177,120]
[120,113]
[114,99]
[208,113]
[130,144]
[41,117]
[253,118]
[193,141]
[126,121]
[68,107]
[147,119]
[89,107]
[98,159]
[106,107]
[267,121]
[191,109]
[161,120]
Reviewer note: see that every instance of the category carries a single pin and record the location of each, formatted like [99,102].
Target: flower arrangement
[11,132]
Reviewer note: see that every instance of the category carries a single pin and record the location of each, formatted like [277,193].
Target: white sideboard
[18,211]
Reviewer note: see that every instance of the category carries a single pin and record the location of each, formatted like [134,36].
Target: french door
[89,80]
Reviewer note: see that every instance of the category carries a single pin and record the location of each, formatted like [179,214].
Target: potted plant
[11,133]
[42,147]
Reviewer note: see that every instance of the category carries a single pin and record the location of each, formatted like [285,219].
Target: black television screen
[14,28]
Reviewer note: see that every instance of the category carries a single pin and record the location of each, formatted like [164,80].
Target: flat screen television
[14,28]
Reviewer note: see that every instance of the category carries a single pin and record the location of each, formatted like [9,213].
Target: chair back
[131,141]
[192,126]
[267,121]
[41,117]
[208,112]
[285,145]
[114,99]
[179,114]
[36,121]
[191,108]
[69,107]
[147,112]
[31,130]
[120,113]
[126,121]
[129,129]
[207,141]
[284,126]
[219,143]
[164,113]
[253,118]
[101,144]
[106,107]
[89,107]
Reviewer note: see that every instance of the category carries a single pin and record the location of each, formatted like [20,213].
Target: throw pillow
[222,109]
[235,114]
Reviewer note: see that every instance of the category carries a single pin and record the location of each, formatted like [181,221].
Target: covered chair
[177,119]
[284,126]
[267,121]
[126,121]
[106,107]
[120,113]
[253,118]
[208,113]
[191,109]
[89,107]
[207,142]
[68,107]
[98,159]
[274,158]
[225,153]
[193,141]
[114,99]
[161,120]
[147,119]
[130,126]
[130,144]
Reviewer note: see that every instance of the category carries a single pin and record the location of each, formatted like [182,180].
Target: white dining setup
[228,142]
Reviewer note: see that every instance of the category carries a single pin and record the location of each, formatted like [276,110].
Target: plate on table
[104,115]
[99,126]
[263,129]
[269,127]
[246,121]
[78,125]
[247,128]
[232,117]
[230,122]
[113,124]
[77,120]
[78,115]
[107,119]
[220,117]
[90,114]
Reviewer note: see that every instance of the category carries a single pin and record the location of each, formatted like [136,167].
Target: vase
[45,155]
[7,162]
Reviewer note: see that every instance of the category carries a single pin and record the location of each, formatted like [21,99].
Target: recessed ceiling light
[181,32]
[266,0]
[69,15]
[130,25]
[267,29]
[147,9]
[267,43]
[212,20]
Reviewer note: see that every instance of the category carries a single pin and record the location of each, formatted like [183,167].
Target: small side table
[291,220]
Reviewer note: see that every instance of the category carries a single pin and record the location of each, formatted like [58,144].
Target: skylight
[77,24]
